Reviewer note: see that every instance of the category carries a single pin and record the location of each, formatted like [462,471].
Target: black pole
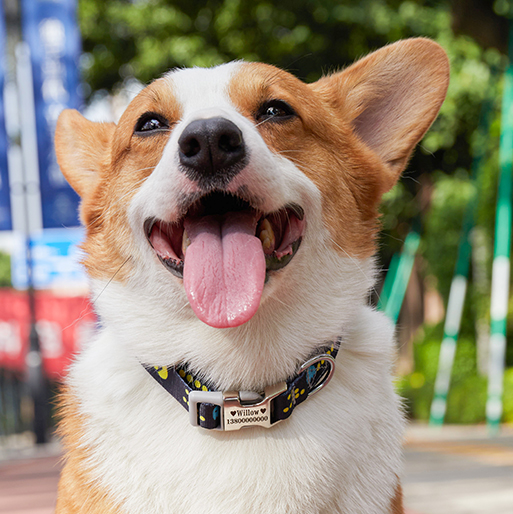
[35,373]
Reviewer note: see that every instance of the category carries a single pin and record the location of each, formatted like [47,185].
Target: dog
[231,219]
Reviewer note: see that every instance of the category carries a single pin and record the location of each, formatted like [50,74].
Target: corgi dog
[231,219]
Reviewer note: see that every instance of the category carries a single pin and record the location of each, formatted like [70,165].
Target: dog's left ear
[391,98]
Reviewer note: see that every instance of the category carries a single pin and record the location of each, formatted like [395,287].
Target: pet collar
[233,410]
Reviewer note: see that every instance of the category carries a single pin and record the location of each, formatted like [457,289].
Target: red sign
[63,325]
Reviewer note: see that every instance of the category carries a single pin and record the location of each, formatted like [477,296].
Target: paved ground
[458,470]
[28,480]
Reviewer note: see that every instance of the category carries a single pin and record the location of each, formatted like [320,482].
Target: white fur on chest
[339,452]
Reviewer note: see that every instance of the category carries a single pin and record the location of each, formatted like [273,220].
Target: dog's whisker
[110,280]
[301,166]
[80,318]
[284,152]
[276,299]
[182,308]
[262,122]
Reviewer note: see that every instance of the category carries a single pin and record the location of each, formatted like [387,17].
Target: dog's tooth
[185,242]
[266,241]
[266,235]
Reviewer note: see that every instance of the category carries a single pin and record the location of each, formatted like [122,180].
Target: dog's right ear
[82,149]
[391,98]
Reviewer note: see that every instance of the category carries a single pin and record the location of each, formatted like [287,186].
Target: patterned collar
[232,410]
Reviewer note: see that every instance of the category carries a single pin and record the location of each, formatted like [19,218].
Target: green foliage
[5,270]
[152,36]
[508,396]
[442,229]
[466,402]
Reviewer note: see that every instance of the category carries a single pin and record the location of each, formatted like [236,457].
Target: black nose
[212,151]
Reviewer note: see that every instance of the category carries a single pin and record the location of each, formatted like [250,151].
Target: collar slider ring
[323,381]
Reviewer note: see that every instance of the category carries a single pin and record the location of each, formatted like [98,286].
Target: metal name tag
[237,414]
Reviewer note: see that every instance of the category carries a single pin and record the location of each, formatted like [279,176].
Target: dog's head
[244,197]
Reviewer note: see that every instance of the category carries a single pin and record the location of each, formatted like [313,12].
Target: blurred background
[445,247]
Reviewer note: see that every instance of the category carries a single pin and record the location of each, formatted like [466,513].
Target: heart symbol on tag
[233,412]
[263,411]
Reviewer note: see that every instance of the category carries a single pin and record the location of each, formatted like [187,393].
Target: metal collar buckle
[237,413]
[245,409]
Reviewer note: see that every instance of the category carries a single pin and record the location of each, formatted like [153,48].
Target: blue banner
[51,31]
[5,197]
[56,260]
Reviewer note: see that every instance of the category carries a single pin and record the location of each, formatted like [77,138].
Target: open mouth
[280,232]
[224,249]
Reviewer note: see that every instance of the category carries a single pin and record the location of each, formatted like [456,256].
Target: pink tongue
[224,268]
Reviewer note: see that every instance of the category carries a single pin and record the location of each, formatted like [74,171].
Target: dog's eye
[150,122]
[275,110]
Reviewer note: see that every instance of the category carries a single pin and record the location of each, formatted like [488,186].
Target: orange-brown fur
[120,162]
[78,492]
[397,506]
[350,197]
